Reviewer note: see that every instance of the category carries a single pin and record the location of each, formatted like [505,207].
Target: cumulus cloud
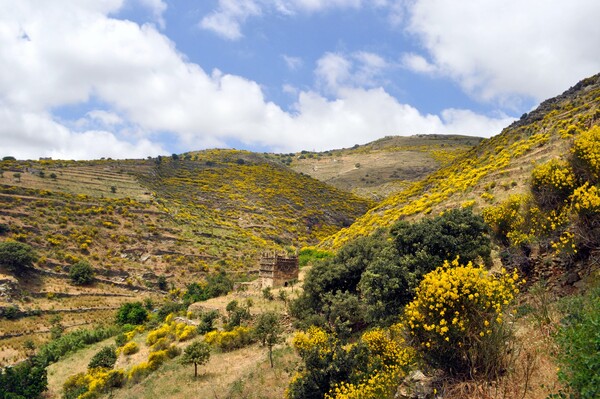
[29,135]
[503,49]
[360,69]
[227,18]
[157,7]
[61,54]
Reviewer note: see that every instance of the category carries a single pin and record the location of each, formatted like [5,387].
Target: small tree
[81,273]
[113,189]
[16,256]
[268,330]
[198,353]
[17,177]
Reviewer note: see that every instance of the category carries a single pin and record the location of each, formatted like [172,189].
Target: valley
[453,257]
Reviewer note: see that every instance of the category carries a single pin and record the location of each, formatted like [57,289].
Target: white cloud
[359,69]
[226,20]
[293,63]
[158,7]
[29,135]
[105,117]
[417,63]
[499,49]
[229,16]
[57,54]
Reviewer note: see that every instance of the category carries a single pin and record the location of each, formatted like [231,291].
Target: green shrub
[312,255]
[579,340]
[131,313]
[16,256]
[27,380]
[81,273]
[105,357]
[73,341]
[207,321]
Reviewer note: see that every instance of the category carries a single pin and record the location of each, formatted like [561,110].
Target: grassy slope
[378,169]
[178,219]
[243,373]
[492,170]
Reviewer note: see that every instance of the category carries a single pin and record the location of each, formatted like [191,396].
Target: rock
[572,278]
[416,386]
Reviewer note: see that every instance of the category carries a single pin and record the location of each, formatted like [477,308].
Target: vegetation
[457,320]
[132,313]
[16,256]
[25,381]
[197,354]
[105,358]
[81,273]
[385,269]
[268,331]
[579,340]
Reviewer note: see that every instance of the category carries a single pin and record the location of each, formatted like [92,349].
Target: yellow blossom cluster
[389,356]
[553,181]
[172,331]
[94,383]
[586,200]
[586,151]
[229,340]
[457,307]
[314,337]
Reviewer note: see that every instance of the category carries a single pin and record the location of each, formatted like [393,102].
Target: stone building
[278,270]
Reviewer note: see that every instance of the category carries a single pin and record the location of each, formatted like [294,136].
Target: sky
[85,79]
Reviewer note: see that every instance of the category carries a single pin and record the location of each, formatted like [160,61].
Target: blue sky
[136,78]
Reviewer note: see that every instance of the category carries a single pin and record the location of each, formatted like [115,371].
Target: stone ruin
[278,270]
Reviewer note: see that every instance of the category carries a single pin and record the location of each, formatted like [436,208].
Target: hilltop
[494,169]
[382,167]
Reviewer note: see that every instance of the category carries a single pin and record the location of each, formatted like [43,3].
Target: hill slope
[497,167]
[383,167]
[136,221]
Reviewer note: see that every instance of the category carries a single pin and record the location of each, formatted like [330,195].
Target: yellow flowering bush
[139,371]
[169,331]
[129,348]
[93,383]
[585,200]
[314,337]
[229,340]
[456,321]
[369,368]
[552,183]
[586,154]
[388,359]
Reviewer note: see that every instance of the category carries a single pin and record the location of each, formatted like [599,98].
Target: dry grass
[531,373]
[242,373]
[72,364]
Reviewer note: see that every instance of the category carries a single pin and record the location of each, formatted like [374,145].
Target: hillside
[494,169]
[383,167]
[137,221]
